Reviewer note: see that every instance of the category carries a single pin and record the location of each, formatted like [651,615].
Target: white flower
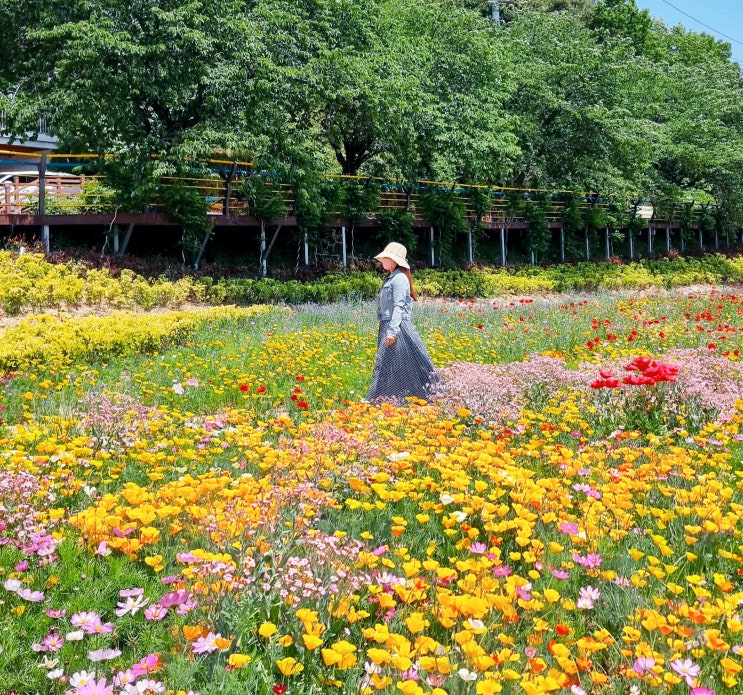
[398,456]
[178,388]
[12,584]
[446,499]
[81,678]
[466,675]
[74,636]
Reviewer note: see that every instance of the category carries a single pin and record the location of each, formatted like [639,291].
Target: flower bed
[221,512]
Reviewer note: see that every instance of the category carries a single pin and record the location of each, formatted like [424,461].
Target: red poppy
[302,404]
[261,389]
[479,326]
[244,388]
[300,378]
[279,689]
[562,630]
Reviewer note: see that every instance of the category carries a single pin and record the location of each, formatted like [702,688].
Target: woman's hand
[391,340]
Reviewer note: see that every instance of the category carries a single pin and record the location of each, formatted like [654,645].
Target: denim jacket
[394,303]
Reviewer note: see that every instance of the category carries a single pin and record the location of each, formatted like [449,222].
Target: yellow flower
[416,623]
[311,641]
[340,655]
[238,660]
[289,666]
[552,595]
[267,630]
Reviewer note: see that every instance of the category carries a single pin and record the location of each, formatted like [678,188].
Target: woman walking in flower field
[403,367]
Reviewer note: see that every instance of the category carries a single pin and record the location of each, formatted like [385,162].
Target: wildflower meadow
[203,502]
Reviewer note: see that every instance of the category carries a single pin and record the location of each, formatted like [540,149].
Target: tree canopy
[579,95]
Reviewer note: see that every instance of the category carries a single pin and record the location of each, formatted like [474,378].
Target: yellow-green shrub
[48,339]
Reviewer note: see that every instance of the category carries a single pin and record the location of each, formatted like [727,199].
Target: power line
[707,26]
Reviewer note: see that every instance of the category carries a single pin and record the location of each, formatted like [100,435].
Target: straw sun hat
[396,252]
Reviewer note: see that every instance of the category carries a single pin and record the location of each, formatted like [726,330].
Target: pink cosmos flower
[53,642]
[84,618]
[569,527]
[701,690]
[687,669]
[642,665]
[174,598]
[125,593]
[502,571]
[206,645]
[478,548]
[123,678]
[559,574]
[93,687]
[31,596]
[155,612]
[145,665]
[591,560]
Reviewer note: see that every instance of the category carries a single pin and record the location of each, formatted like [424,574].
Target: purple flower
[701,690]
[478,548]
[559,574]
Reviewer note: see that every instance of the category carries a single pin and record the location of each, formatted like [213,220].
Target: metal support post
[306,246]
[562,244]
[42,203]
[344,256]
[668,240]
[606,240]
[470,250]
[588,245]
[431,249]
[128,236]
[503,246]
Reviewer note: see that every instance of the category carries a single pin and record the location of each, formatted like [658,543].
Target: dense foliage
[562,95]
